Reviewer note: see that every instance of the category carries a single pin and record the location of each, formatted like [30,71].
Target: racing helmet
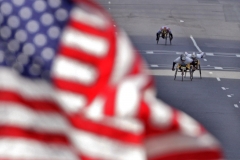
[193,55]
[183,57]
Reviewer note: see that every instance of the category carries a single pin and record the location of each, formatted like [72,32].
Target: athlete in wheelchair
[184,65]
[196,62]
[164,32]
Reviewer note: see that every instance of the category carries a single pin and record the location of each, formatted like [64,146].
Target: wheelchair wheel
[170,39]
[191,73]
[175,74]
[165,39]
[182,74]
[199,67]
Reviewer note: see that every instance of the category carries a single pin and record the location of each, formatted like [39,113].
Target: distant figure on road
[164,29]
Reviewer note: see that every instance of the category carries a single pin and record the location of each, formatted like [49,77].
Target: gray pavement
[215,26]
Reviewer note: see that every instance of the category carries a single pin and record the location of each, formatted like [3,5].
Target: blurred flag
[71,88]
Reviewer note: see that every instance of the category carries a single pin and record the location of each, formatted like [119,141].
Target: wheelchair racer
[164,29]
[195,57]
[183,60]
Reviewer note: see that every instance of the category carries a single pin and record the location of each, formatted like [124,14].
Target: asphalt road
[214,25]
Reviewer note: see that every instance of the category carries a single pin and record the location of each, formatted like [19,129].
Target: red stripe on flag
[100,129]
[109,108]
[79,55]
[16,132]
[143,112]
[192,155]
[38,105]
[91,30]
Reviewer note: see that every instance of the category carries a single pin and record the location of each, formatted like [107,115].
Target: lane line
[205,59]
[179,52]
[235,105]
[149,52]
[218,79]
[218,67]
[154,65]
[229,96]
[209,54]
[206,74]
[223,88]
[195,44]
[207,68]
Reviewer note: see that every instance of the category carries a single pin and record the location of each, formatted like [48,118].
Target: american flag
[73,87]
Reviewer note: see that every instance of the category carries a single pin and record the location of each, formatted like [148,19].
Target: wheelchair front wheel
[175,74]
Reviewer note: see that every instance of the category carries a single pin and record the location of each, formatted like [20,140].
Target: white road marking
[209,54]
[218,67]
[179,52]
[229,96]
[154,65]
[235,105]
[206,74]
[149,52]
[218,79]
[238,55]
[195,44]
[205,59]
[223,88]
[181,21]
[208,65]
[109,2]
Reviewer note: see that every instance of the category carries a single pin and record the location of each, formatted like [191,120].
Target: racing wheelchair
[165,35]
[196,66]
[184,69]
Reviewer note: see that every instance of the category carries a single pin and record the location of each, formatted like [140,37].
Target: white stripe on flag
[91,44]
[127,99]
[69,101]
[160,113]
[105,148]
[23,117]
[167,144]
[95,112]
[124,58]
[36,89]
[188,125]
[96,19]
[39,90]
[30,149]
[72,70]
